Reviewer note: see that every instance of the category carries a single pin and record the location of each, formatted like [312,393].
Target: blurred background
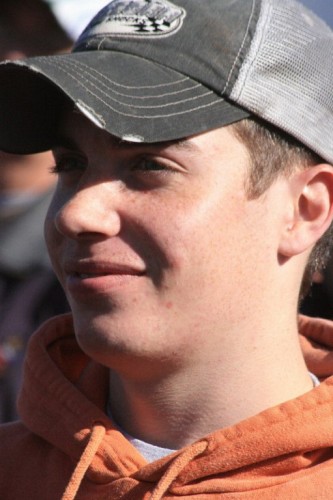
[324,8]
[29,291]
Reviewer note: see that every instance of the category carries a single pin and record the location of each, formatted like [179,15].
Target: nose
[90,212]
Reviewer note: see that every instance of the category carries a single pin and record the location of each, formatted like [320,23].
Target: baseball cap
[156,70]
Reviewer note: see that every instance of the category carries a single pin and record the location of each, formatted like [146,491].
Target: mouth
[89,268]
[86,278]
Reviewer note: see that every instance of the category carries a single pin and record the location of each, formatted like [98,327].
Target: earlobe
[312,191]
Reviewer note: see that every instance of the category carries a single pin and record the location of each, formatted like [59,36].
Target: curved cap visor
[128,96]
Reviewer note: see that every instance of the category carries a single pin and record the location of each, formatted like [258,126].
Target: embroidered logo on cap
[136,18]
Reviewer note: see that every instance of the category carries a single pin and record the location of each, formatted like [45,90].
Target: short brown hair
[272,153]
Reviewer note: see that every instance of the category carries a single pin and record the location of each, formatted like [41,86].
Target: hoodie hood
[63,401]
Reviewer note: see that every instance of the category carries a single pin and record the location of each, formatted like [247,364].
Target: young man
[192,144]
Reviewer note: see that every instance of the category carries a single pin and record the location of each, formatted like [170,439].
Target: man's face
[157,246]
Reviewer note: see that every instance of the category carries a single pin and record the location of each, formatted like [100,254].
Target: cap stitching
[99,46]
[79,65]
[132,105]
[122,103]
[45,59]
[152,116]
[240,49]
[217,101]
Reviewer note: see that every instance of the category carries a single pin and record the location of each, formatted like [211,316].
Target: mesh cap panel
[284,81]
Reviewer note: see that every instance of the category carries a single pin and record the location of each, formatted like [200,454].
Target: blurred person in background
[29,291]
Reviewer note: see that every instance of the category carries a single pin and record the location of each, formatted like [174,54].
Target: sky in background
[324,8]
[74,15]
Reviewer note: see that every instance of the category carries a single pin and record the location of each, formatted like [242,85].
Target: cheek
[219,248]
[195,235]
[209,225]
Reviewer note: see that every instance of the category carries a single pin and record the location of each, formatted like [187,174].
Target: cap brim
[130,97]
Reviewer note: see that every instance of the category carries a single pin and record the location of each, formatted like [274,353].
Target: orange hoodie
[66,447]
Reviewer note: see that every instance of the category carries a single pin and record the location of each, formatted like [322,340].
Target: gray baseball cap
[156,70]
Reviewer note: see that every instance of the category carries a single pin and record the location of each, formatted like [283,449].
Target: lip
[94,277]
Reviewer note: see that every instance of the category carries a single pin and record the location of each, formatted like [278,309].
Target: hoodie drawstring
[95,439]
[176,467]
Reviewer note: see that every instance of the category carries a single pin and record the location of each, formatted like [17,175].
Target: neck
[241,379]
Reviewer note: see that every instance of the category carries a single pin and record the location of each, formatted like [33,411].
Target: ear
[312,209]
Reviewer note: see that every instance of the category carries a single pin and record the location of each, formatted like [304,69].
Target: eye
[149,165]
[68,164]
